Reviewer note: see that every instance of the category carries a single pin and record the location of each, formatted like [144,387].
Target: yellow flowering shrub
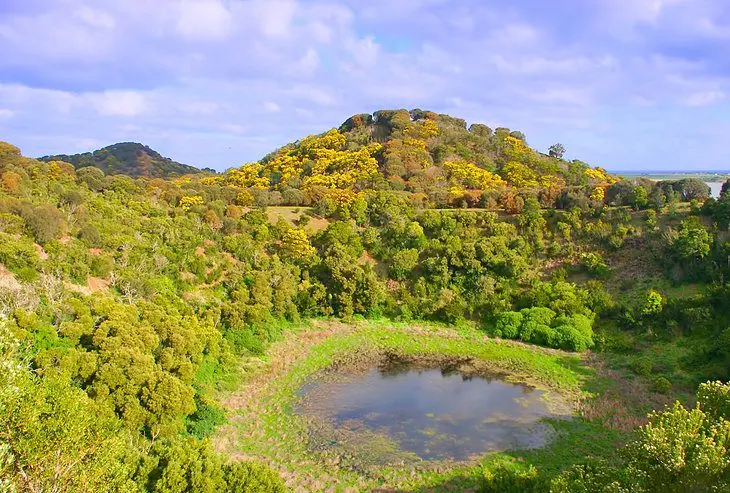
[295,245]
[519,175]
[598,194]
[473,176]
[249,176]
[187,203]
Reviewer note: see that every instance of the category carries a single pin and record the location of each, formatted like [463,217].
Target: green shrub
[44,222]
[245,341]
[573,339]
[661,385]
[90,235]
[252,477]
[203,422]
[546,336]
[17,254]
[539,315]
[508,325]
[508,476]
[642,366]
[714,399]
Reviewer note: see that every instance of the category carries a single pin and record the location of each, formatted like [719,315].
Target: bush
[512,477]
[594,264]
[539,315]
[44,222]
[252,477]
[203,422]
[573,339]
[642,366]
[714,399]
[539,325]
[90,235]
[17,254]
[546,336]
[661,385]
[508,325]
[245,341]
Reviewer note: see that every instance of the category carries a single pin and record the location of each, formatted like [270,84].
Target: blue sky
[625,84]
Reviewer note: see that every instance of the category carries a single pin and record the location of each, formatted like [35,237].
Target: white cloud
[95,18]
[366,52]
[309,63]
[516,34]
[272,107]
[564,96]
[190,74]
[204,20]
[119,103]
[705,98]
[535,65]
[88,145]
[200,107]
[274,17]
[318,95]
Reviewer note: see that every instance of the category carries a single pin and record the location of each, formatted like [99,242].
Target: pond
[431,413]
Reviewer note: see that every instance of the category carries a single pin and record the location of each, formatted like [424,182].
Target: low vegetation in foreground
[129,304]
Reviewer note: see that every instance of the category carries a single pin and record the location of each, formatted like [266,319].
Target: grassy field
[262,423]
[292,215]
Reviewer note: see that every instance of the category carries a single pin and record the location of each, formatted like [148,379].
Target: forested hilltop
[433,159]
[128,303]
[127,158]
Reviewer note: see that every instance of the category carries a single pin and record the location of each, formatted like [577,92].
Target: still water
[715,188]
[435,414]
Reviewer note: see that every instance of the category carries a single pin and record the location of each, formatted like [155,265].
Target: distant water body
[715,188]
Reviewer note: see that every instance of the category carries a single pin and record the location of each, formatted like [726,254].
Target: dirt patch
[97,284]
[41,252]
[7,279]
[95,251]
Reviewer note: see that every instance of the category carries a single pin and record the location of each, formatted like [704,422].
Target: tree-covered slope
[127,303]
[433,158]
[127,158]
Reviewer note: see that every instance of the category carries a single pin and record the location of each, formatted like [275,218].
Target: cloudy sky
[626,84]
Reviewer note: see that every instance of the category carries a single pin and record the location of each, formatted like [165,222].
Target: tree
[44,222]
[725,189]
[52,436]
[187,203]
[694,189]
[557,151]
[653,304]
[295,246]
[679,449]
[692,242]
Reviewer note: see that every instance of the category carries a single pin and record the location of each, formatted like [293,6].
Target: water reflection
[435,413]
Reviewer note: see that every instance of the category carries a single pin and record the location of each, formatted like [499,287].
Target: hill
[155,334]
[434,158]
[127,158]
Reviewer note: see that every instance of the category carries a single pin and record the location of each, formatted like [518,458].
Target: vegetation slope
[127,158]
[128,302]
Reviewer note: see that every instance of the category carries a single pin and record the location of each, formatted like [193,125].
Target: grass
[263,425]
[292,215]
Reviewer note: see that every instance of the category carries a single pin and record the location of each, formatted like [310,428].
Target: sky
[624,84]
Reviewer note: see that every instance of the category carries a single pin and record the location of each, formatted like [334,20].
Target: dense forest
[127,158]
[128,302]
